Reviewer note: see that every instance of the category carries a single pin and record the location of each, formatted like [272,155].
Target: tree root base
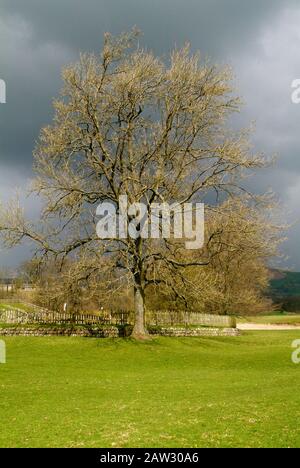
[141,336]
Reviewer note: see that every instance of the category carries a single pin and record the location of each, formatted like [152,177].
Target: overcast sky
[260,39]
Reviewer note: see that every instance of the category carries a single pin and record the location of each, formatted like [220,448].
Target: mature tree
[128,123]
[241,240]
[75,288]
[239,271]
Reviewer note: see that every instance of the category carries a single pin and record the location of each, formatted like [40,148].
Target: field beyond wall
[169,392]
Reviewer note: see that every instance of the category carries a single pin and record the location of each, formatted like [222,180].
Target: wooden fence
[188,318]
[20,317]
[154,318]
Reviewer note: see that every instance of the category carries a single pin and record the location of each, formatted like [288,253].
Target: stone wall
[108,332]
[114,332]
[169,331]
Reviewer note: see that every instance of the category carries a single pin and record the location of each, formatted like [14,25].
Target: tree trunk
[139,330]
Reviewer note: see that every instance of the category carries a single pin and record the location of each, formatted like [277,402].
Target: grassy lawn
[185,392]
[280,319]
[15,305]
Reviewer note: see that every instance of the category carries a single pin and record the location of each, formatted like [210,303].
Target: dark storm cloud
[38,37]
[216,24]
[260,39]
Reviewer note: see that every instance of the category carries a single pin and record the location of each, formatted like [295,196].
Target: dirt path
[266,326]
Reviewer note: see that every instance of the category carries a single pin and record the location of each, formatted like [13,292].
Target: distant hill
[285,290]
[285,283]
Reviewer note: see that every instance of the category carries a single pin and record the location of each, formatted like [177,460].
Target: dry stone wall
[113,332]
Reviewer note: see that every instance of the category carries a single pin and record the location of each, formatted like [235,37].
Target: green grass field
[15,305]
[169,392]
[280,319]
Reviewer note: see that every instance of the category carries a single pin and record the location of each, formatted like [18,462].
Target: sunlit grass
[280,319]
[15,306]
[169,392]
